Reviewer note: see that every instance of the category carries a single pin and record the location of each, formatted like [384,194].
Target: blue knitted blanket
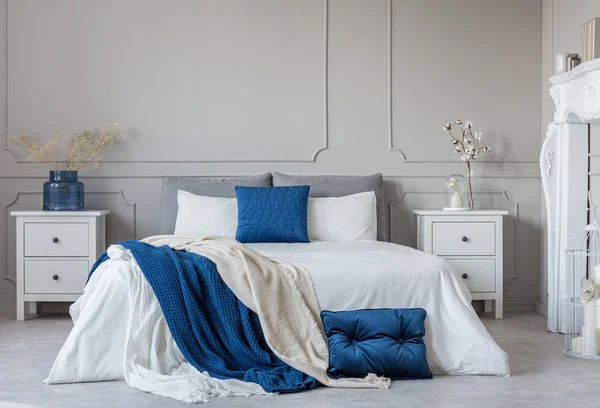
[213,329]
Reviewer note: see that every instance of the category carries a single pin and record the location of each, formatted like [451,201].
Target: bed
[346,276]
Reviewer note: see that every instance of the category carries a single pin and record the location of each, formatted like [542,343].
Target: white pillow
[346,218]
[203,216]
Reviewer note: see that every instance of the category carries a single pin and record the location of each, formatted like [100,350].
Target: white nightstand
[55,251]
[471,242]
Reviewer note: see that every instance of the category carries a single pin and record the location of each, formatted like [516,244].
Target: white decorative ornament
[456,201]
[555,94]
[590,101]
[551,158]
[456,189]
[575,92]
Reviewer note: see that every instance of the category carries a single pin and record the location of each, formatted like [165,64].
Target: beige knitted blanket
[284,298]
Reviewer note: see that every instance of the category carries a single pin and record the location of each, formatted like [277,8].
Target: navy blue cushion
[272,214]
[386,342]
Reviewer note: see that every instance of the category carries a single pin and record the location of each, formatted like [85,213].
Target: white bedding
[371,274]
[118,304]
[121,333]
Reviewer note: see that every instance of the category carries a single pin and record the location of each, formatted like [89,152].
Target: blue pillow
[387,342]
[272,214]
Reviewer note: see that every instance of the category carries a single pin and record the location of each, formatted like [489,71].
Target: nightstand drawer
[478,274]
[464,238]
[55,276]
[56,239]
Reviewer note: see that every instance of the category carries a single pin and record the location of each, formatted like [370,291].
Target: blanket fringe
[379,382]
[370,381]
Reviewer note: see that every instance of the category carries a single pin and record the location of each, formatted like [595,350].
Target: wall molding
[475,178]
[329,163]
[541,309]
[503,194]
[392,147]
[154,177]
[516,161]
[7,207]
[519,307]
[5,146]
[313,159]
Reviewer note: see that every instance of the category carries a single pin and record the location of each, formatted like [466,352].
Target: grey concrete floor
[542,376]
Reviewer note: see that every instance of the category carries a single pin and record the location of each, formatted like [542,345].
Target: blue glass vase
[63,192]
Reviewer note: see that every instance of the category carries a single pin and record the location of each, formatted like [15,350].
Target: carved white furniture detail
[564,165]
[55,251]
[472,243]
[576,94]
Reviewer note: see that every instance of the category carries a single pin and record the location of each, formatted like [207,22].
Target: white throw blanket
[283,297]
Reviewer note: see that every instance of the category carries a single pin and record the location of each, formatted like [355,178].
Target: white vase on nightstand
[456,197]
[456,200]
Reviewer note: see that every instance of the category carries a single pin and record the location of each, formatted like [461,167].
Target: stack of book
[590,40]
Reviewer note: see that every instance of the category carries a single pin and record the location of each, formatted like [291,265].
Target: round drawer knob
[55,277]
[55,240]
[464,239]
[464,276]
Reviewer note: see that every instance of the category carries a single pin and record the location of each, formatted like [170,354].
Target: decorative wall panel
[226,87]
[204,80]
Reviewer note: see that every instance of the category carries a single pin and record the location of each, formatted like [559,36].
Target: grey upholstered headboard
[320,186]
[207,186]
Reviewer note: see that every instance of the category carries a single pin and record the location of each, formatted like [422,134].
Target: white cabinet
[55,250]
[471,242]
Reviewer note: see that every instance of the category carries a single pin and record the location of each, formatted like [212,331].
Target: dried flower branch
[81,148]
[467,145]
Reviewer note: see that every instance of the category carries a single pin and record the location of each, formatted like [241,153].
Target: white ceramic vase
[456,200]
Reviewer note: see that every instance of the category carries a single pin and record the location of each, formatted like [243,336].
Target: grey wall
[561,27]
[314,87]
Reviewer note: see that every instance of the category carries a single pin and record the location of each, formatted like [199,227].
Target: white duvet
[118,304]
